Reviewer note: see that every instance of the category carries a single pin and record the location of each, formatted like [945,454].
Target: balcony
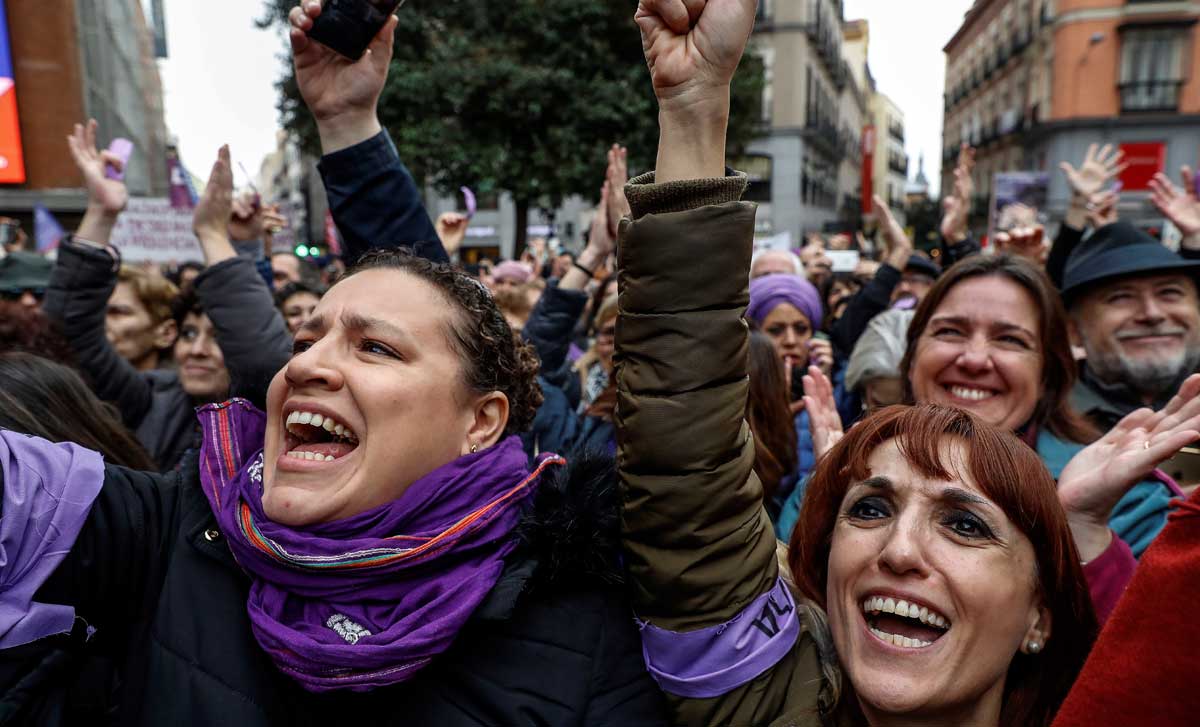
[898,163]
[1144,96]
[897,132]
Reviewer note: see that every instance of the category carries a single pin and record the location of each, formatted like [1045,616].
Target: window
[1151,68]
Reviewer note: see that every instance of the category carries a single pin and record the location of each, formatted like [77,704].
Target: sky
[219,82]
[906,59]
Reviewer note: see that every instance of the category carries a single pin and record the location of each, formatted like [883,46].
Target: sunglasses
[15,295]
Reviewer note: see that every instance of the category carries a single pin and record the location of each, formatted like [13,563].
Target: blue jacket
[1137,519]
[376,203]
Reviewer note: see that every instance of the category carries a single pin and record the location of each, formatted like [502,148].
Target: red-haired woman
[952,585]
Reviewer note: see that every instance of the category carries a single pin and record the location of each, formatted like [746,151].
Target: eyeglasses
[15,295]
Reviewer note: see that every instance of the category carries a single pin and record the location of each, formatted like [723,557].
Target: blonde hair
[154,291]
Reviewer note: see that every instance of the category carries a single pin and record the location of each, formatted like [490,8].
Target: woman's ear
[1038,632]
[490,418]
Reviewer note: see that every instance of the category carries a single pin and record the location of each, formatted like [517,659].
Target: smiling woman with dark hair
[373,547]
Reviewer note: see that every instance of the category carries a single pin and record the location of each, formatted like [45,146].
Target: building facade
[1032,83]
[890,162]
[73,60]
[804,168]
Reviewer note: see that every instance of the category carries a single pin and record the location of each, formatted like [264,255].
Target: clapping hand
[616,177]
[898,246]
[1096,479]
[107,196]
[210,221]
[956,208]
[1179,205]
[824,422]
[342,94]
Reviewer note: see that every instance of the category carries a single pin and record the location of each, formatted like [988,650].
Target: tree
[523,96]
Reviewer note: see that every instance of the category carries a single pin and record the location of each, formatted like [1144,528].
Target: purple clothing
[769,291]
[48,492]
[1108,576]
[367,601]
[718,659]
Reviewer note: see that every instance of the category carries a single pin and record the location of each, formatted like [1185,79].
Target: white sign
[782,241]
[151,230]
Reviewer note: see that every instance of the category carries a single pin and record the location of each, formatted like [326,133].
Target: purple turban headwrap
[518,273]
[767,292]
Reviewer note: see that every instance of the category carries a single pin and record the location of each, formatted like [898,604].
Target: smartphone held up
[348,26]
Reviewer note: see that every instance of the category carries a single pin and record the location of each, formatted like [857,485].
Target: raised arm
[84,277]
[250,331]
[721,633]
[372,196]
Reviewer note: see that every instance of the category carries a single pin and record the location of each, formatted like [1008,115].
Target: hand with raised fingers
[898,248]
[824,422]
[452,230]
[210,220]
[1096,479]
[105,196]
[820,355]
[1102,209]
[1180,206]
[1100,167]
[617,176]
[341,94]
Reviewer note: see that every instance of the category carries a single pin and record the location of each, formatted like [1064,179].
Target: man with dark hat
[1135,310]
[24,277]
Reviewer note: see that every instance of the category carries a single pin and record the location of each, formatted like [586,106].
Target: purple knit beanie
[767,292]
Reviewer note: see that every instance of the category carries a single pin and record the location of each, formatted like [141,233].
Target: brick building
[75,59]
[1032,83]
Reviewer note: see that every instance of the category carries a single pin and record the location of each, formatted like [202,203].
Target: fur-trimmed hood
[569,536]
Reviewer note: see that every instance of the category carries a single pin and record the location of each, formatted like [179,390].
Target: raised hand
[1027,242]
[210,221]
[342,94]
[693,46]
[105,195]
[1096,479]
[452,230]
[1100,166]
[1178,205]
[898,248]
[617,176]
[824,422]
[956,208]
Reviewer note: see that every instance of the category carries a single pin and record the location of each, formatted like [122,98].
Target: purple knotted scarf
[48,492]
[368,601]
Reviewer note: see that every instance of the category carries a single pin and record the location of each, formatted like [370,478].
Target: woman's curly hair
[493,358]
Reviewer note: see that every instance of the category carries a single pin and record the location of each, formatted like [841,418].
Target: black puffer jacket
[553,644]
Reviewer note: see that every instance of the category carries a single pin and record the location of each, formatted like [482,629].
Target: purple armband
[48,492]
[718,659]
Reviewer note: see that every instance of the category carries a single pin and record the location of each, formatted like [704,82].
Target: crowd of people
[666,480]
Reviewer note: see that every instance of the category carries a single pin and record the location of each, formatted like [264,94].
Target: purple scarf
[48,492]
[367,601]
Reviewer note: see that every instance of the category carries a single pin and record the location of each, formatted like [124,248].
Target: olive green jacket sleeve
[700,548]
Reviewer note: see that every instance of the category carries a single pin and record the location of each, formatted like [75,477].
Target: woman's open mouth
[316,437]
[903,624]
[970,394]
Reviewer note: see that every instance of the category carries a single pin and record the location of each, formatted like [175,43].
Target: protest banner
[151,230]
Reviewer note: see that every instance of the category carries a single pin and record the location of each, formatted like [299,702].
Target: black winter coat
[553,644]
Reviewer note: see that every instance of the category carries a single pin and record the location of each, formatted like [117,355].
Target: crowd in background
[665,479]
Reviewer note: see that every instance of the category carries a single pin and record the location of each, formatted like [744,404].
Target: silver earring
[1034,647]
[474,448]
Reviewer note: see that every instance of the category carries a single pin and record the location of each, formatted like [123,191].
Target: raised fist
[693,47]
